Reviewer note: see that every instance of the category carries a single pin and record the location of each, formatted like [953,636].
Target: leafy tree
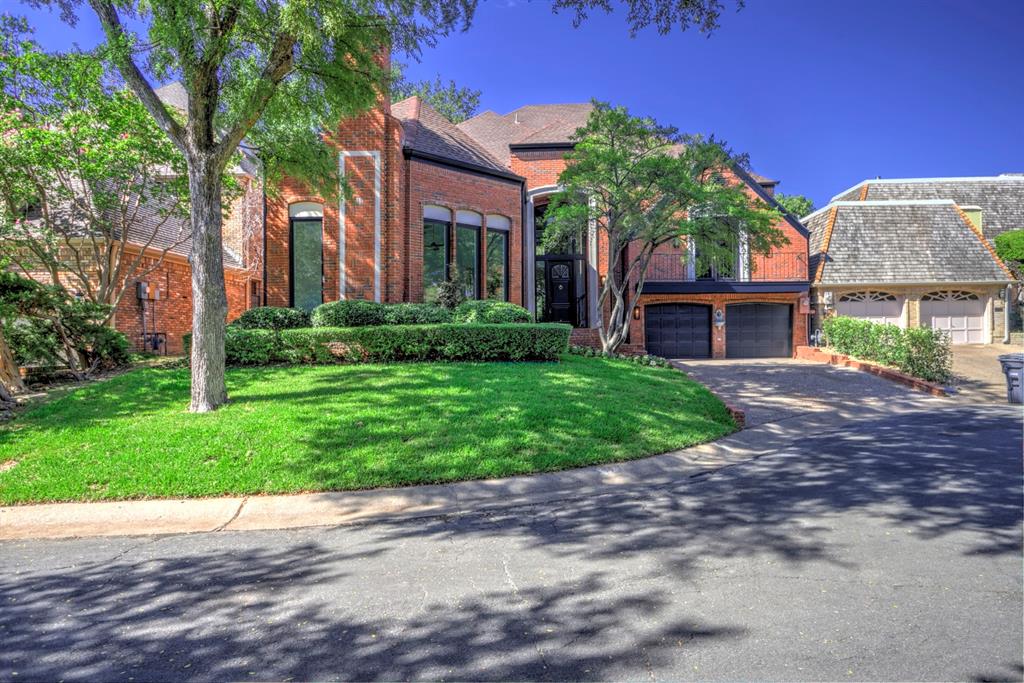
[1010,246]
[641,185]
[279,74]
[796,204]
[81,165]
[454,102]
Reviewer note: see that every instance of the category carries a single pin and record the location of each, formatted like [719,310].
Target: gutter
[541,145]
[465,166]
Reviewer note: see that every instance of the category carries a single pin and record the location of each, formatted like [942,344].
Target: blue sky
[820,94]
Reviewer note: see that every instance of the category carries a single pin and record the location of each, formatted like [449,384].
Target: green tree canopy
[454,102]
[641,185]
[796,204]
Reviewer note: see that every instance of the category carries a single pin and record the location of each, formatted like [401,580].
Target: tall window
[306,232]
[498,228]
[436,250]
[467,252]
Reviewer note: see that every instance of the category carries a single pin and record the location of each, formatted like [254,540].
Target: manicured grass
[349,427]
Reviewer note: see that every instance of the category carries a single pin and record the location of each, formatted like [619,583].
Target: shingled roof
[866,242]
[430,133]
[534,124]
[1001,198]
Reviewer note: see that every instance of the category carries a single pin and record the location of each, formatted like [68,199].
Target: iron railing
[779,266]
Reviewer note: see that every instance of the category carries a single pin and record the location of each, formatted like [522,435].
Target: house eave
[462,165]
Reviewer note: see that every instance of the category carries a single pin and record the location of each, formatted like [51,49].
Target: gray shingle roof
[429,132]
[1001,198]
[899,241]
[532,124]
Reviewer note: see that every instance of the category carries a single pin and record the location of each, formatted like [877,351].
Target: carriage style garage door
[758,331]
[678,330]
[878,307]
[961,314]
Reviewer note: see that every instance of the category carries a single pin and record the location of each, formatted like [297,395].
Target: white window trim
[342,273]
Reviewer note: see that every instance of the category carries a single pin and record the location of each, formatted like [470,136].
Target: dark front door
[758,331]
[560,304]
[678,330]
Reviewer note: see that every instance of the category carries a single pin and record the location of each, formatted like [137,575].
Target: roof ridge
[1005,177]
[981,237]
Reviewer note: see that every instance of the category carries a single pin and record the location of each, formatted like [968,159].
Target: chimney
[974,214]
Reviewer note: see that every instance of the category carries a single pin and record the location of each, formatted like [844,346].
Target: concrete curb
[176,516]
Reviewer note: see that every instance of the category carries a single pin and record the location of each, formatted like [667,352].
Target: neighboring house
[917,252]
[429,199]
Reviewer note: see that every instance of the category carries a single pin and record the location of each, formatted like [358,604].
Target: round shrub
[350,313]
[416,314]
[496,312]
[1010,246]
[272,318]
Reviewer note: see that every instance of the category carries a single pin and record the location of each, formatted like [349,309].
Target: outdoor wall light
[636,313]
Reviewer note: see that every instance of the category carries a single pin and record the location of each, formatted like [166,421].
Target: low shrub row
[921,352]
[360,313]
[387,343]
[272,318]
[646,359]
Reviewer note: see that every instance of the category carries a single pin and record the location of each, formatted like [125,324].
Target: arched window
[868,296]
[950,295]
[467,252]
[306,251]
[498,230]
[437,222]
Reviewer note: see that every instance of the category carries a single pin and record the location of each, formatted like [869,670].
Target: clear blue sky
[821,94]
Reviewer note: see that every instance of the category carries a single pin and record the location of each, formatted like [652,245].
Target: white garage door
[961,314]
[878,307]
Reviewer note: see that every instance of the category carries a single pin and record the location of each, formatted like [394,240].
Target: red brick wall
[456,190]
[720,301]
[173,312]
[540,167]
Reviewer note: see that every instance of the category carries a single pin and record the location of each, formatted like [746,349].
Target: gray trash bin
[1013,368]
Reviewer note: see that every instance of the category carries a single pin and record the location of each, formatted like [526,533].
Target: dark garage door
[678,330]
[758,330]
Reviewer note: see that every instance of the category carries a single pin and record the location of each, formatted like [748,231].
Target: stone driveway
[978,377]
[779,389]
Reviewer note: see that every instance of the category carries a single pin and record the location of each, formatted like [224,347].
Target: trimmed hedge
[272,318]
[349,313]
[496,312]
[921,352]
[387,343]
[416,314]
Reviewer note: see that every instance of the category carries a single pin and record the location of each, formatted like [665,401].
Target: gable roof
[534,124]
[757,184]
[430,133]
[1001,197]
[899,241]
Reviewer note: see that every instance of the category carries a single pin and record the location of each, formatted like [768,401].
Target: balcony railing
[779,266]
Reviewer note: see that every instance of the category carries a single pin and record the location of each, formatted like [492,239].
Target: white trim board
[882,202]
[342,274]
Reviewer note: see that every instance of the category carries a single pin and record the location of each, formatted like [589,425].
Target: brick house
[429,198]
[917,252]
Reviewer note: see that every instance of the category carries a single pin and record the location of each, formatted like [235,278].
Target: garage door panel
[758,330]
[678,330]
[960,314]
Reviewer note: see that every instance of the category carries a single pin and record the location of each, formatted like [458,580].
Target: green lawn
[349,427]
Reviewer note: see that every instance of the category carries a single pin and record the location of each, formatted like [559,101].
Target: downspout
[522,242]
[1007,296]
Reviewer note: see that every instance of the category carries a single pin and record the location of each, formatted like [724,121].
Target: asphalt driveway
[978,376]
[778,389]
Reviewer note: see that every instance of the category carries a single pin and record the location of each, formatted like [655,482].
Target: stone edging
[815,354]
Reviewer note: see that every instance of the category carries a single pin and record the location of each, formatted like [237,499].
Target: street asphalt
[887,550]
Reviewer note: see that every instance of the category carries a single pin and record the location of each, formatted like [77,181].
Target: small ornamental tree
[641,185]
[88,183]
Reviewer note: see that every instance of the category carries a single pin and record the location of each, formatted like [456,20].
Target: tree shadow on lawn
[295,613]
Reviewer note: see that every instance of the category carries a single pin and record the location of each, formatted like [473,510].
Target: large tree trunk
[209,299]
[10,377]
